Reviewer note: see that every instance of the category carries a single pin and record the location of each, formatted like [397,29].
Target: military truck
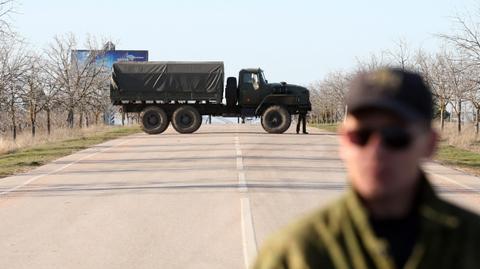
[181,92]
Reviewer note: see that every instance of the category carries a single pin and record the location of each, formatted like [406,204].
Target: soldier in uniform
[391,217]
[302,120]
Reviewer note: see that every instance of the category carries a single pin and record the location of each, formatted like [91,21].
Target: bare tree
[328,97]
[321,106]
[467,37]
[375,61]
[33,94]
[50,98]
[472,95]
[336,85]
[401,56]
[467,40]
[13,66]
[455,69]
[437,70]
[6,9]
[78,79]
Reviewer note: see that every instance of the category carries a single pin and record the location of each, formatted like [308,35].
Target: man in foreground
[391,217]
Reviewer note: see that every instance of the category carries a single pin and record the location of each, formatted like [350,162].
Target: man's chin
[376,192]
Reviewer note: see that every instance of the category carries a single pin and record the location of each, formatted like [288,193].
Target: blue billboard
[109,57]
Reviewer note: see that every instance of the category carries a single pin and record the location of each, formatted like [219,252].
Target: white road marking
[239,163]
[242,183]
[248,233]
[58,169]
[249,241]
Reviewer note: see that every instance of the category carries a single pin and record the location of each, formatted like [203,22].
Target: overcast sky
[295,41]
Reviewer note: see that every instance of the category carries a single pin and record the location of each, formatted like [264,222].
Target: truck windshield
[263,80]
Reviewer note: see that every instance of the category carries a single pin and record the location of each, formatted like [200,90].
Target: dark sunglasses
[394,138]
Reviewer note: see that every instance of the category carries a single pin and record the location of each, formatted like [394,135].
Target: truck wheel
[186,119]
[154,120]
[276,120]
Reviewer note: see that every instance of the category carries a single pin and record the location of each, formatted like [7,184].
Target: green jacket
[340,236]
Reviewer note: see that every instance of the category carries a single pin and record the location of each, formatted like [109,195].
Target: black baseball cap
[402,92]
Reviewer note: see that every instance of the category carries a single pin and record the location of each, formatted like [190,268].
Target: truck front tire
[154,120]
[186,119]
[276,120]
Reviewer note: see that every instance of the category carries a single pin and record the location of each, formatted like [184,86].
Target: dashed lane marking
[249,241]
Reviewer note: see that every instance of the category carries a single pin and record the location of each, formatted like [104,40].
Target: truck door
[250,89]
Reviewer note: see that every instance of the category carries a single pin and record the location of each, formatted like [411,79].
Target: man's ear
[341,141]
[431,143]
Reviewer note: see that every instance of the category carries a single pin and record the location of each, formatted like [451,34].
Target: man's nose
[375,144]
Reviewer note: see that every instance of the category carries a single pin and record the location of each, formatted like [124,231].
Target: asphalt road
[204,200]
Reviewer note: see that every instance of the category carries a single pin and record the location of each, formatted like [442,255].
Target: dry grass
[329,127]
[25,139]
[459,150]
[23,156]
[466,140]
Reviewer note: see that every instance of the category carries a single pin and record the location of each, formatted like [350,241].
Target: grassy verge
[28,158]
[330,127]
[461,158]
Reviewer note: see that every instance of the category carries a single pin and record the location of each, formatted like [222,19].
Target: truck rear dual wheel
[154,120]
[276,120]
[186,119]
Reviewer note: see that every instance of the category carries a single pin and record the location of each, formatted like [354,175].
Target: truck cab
[273,102]
[254,90]
[253,87]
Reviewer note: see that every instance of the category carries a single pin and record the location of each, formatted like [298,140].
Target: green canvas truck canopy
[167,81]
